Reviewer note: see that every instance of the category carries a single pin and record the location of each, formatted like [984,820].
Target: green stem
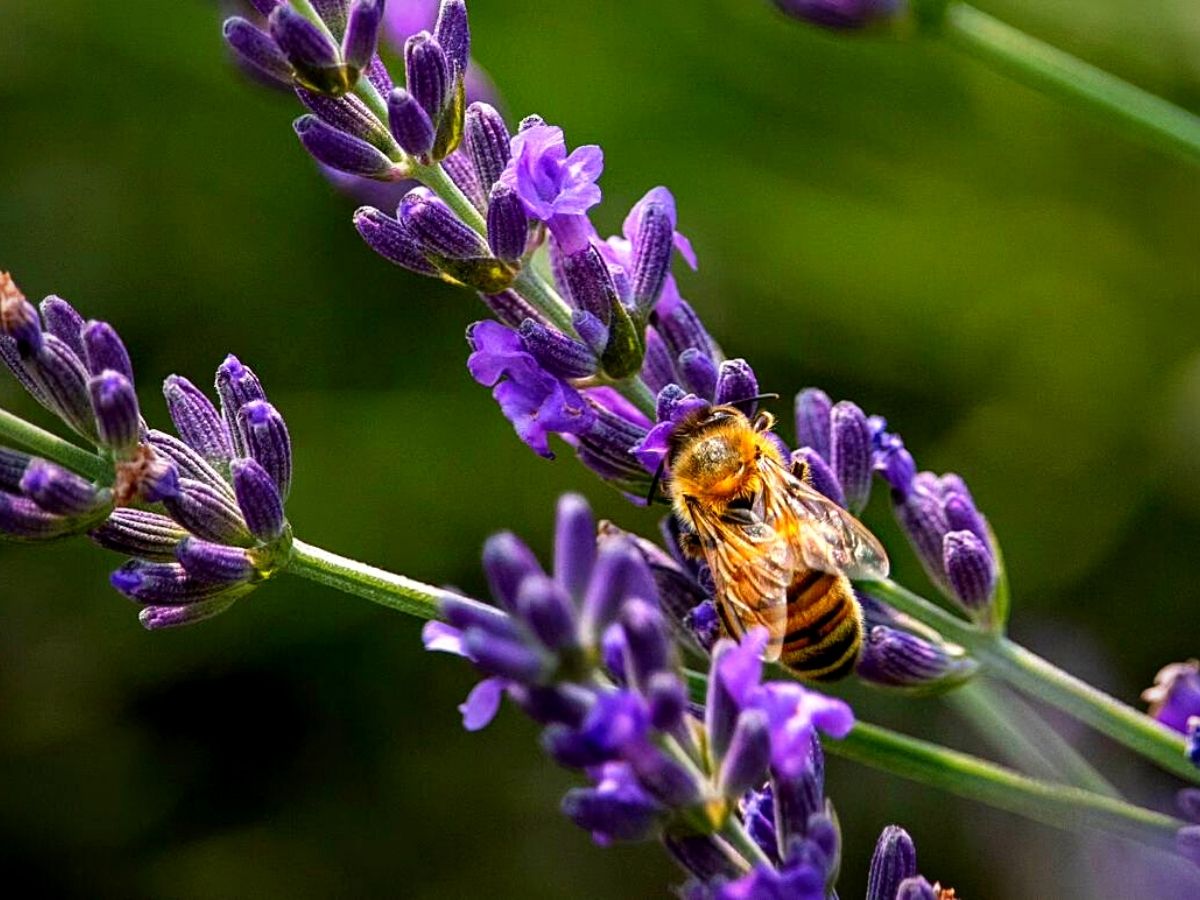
[530,285]
[928,763]
[1038,678]
[967,776]
[435,178]
[1024,738]
[1051,70]
[52,447]
[352,577]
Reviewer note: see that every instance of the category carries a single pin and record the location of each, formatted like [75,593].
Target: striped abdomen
[824,626]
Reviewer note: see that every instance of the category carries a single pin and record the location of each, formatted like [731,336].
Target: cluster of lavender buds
[733,788]
[201,515]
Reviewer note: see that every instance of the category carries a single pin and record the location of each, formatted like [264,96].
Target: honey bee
[781,553]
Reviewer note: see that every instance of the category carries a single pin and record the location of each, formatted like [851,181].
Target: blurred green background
[1012,283]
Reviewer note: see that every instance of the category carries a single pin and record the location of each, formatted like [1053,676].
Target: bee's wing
[752,567]
[827,537]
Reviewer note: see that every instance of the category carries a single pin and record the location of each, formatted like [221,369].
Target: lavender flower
[555,188]
[652,764]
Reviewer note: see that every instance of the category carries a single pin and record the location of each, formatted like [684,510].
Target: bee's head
[713,454]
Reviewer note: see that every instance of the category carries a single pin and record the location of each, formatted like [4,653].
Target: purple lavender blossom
[536,402]
[556,188]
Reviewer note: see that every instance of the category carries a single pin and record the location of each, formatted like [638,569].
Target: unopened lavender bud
[64,322]
[207,513]
[618,814]
[510,308]
[508,659]
[896,658]
[453,34]
[896,465]
[236,386]
[104,350]
[487,141]
[259,500]
[850,453]
[547,609]
[839,15]
[136,532]
[590,283]
[620,572]
[924,522]
[257,49]
[154,618]
[507,561]
[574,544]
[652,248]
[410,124]
[118,421]
[703,856]
[21,519]
[667,698]
[197,420]
[736,382]
[438,229]
[666,780]
[916,888]
[349,114]
[647,639]
[681,329]
[894,860]
[315,59]
[591,330]
[507,224]
[362,32]
[698,373]
[393,240]
[557,353]
[188,462]
[745,763]
[266,439]
[62,384]
[813,414]
[150,582]
[18,318]
[658,368]
[461,170]
[13,464]
[214,563]
[59,491]
[970,569]
[961,515]
[818,474]
[427,74]
[342,151]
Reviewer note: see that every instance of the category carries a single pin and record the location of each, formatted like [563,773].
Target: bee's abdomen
[824,626]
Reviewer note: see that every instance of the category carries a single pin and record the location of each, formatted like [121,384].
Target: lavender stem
[52,447]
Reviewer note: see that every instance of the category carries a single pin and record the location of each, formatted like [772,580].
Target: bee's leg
[802,470]
[764,421]
[689,543]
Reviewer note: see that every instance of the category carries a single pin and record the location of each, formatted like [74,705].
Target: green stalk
[959,773]
[1059,74]
[1016,731]
[52,447]
[351,577]
[967,776]
[1038,678]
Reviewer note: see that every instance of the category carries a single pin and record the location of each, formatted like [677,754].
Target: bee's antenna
[655,481]
[754,399]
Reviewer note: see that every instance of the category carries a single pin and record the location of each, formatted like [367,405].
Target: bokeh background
[1012,283]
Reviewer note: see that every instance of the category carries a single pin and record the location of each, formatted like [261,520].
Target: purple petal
[482,703]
